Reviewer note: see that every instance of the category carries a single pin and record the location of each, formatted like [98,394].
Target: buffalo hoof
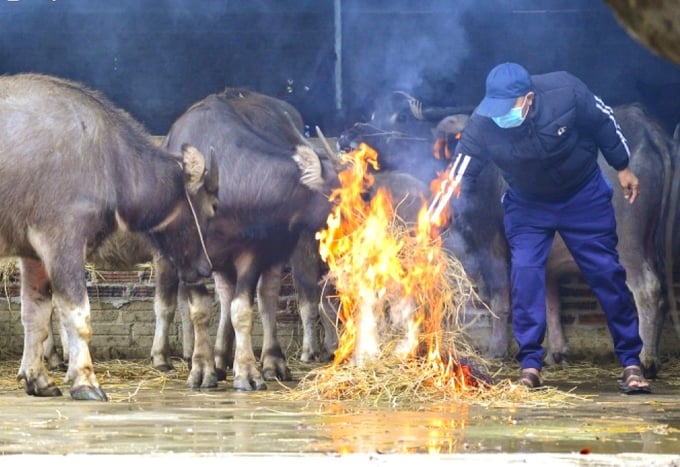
[323,356]
[308,357]
[55,363]
[556,357]
[496,353]
[326,356]
[249,385]
[51,390]
[164,367]
[221,374]
[88,393]
[274,367]
[209,381]
[650,371]
[281,373]
[202,379]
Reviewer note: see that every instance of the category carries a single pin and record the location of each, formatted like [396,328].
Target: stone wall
[123,320]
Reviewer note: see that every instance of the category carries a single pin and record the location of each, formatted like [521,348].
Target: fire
[390,279]
[441,145]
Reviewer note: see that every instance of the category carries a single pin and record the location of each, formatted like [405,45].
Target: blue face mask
[513,118]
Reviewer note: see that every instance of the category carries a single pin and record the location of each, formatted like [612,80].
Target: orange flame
[441,145]
[366,255]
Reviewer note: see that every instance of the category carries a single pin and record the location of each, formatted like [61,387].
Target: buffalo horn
[324,142]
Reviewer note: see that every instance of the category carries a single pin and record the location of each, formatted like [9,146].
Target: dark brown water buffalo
[477,238]
[75,169]
[316,300]
[273,186]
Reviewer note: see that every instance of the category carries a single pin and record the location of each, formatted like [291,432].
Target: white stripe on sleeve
[610,113]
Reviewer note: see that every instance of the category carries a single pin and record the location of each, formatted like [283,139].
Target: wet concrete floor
[157,421]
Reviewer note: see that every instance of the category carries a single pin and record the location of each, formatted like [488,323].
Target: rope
[198,227]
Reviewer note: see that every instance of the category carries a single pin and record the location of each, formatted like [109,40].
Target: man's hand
[629,184]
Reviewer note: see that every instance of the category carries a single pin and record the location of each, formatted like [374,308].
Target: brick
[567,319]
[287,317]
[123,319]
[592,319]
[10,290]
[104,314]
[106,291]
[112,277]
[142,291]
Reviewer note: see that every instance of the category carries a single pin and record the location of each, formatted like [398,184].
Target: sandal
[530,378]
[633,382]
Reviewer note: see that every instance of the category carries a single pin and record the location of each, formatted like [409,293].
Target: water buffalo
[479,242]
[273,186]
[316,300]
[76,169]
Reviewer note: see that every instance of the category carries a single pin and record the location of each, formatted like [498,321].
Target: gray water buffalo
[74,170]
[273,185]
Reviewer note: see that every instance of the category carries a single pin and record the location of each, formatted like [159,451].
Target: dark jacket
[554,152]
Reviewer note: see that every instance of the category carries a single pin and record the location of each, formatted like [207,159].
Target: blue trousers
[587,224]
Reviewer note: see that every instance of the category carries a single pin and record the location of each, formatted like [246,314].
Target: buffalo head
[181,236]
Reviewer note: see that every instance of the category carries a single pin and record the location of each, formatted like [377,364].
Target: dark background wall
[154,58]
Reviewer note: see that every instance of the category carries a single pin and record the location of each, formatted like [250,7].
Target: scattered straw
[409,382]
[121,379]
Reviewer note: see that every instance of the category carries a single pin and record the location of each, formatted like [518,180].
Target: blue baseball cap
[504,84]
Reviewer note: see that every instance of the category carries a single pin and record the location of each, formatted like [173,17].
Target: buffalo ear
[310,167]
[193,163]
[213,177]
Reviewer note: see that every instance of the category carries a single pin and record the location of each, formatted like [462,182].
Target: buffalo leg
[53,358]
[329,307]
[272,357]
[496,283]
[187,326]
[164,306]
[247,375]
[202,373]
[224,340]
[305,267]
[36,311]
[646,289]
[69,294]
[557,349]
[314,303]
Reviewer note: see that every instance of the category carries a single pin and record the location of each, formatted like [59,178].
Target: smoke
[441,51]
[391,45]
[156,58]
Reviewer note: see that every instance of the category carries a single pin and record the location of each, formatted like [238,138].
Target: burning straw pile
[400,298]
